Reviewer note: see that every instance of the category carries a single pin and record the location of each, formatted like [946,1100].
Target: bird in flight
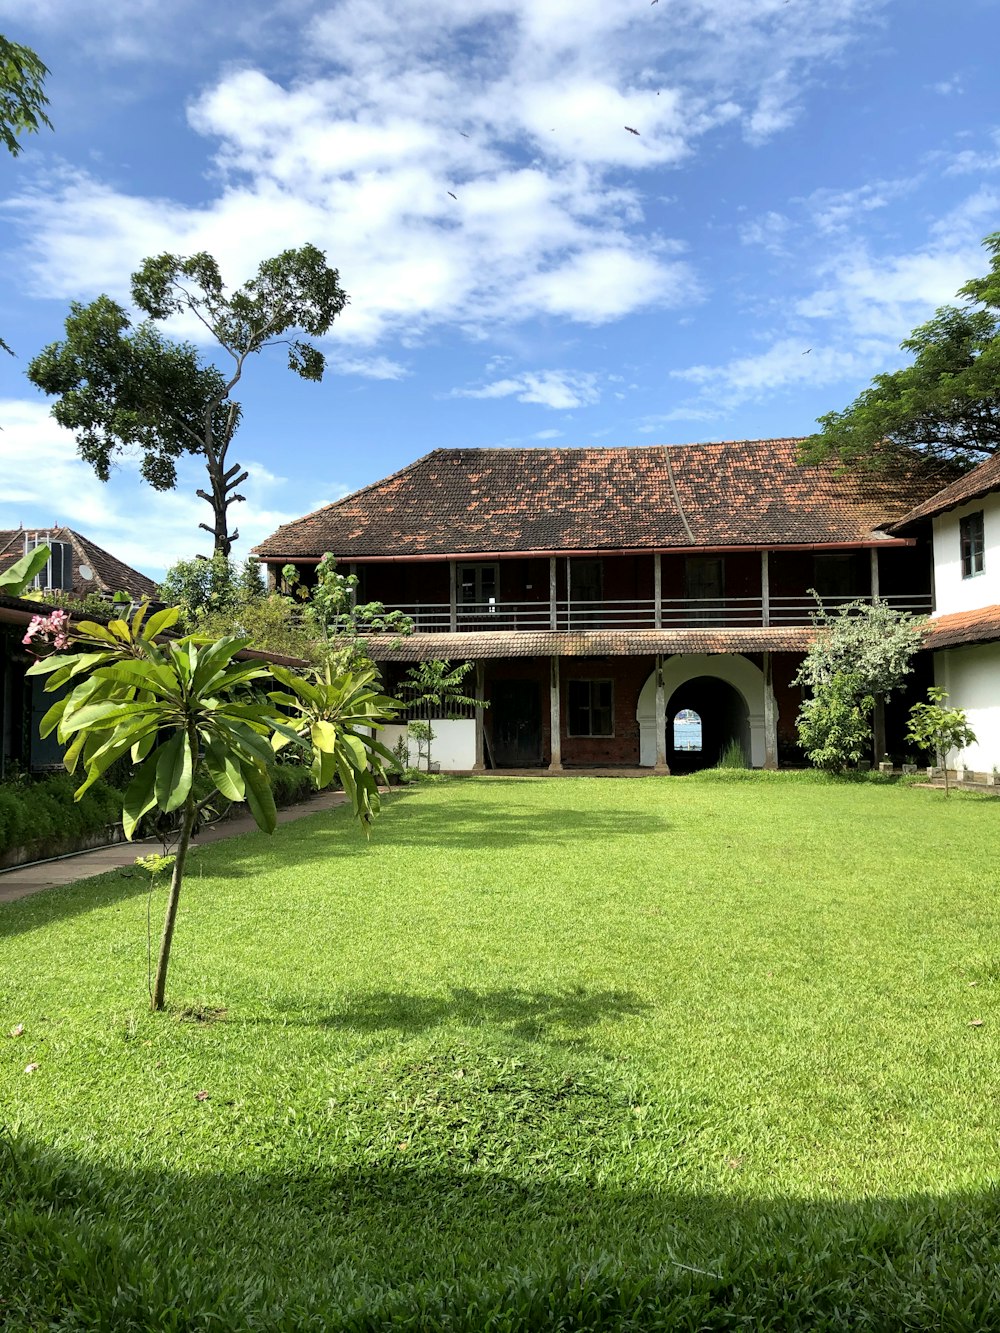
[807,351]
[454,196]
[631,130]
[463,134]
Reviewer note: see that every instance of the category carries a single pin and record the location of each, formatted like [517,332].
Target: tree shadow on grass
[471,1247]
[457,829]
[64,901]
[529,1015]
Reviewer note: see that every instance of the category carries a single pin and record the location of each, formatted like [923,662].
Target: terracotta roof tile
[979,626]
[978,482]
[111,575]
[464,501]
[596,643]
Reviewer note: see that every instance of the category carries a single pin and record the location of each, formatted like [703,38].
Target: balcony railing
[673,613]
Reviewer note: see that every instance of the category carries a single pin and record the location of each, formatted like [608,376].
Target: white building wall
[971,677]
[952,592]
[453,747]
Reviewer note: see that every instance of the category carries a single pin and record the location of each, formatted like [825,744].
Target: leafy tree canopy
[22,98]
[134,390]
[944,407]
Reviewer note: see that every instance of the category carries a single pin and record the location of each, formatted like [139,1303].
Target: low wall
[453,747]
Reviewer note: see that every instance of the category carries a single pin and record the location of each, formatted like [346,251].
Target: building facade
[601,593]
[963,524]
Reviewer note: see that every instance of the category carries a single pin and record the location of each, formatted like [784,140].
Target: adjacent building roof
[591,643]
[980,481]
[459,502]
[108,573]
[981,625]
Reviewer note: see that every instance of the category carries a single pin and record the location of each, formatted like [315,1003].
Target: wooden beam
[765,589]
[553,604]
[452,595]
[874,559]
[657,591]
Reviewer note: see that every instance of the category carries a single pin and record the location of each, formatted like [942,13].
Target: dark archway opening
[724,717]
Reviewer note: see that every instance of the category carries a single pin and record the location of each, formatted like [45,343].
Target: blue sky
[806,176]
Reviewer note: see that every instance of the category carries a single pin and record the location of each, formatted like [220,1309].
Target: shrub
[45,808]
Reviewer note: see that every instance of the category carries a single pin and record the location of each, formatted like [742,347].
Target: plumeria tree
[197,721]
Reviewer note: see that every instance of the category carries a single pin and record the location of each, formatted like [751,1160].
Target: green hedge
[45,808]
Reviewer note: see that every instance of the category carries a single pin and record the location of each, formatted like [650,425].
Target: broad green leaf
[141,748]
[14,580]
[139,798]
[162,620]
[224,771]
[104,715]
[213,660]
[51,719]
[323,736]
[174,771]
[260,798]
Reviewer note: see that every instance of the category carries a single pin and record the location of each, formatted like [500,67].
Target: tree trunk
[160,984]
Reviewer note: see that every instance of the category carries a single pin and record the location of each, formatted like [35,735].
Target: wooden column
[555,723]
[657,591]
[352,570]
[661,721]
[452,596]
[765,589]
[770,717]
[874,557]
[480,763]
[553,605]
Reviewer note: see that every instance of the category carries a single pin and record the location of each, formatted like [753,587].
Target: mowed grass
[707,1053]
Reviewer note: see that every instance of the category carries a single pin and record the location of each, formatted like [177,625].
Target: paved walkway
[24,880]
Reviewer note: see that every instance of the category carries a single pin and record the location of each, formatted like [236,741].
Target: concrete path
[24,880]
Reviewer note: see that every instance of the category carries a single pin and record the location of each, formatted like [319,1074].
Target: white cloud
[834,211]
[558,389]
[518,108]
[547,434]
[372,368]
[850,325]
[45,483]
[769,231]
[976,160]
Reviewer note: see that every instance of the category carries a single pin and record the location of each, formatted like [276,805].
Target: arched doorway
[724,717]
[743,715]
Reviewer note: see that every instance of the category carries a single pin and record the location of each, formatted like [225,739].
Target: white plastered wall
[971,677]
[453,746]
[741,674]
[952,592]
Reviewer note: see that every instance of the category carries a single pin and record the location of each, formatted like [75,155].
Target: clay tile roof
[981,480]
[465,501]
[981,625]
[111,575]
[596,643]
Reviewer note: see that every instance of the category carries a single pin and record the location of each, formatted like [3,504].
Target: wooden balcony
[681,613]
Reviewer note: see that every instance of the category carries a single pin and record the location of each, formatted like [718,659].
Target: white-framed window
[58,571]
[972,540]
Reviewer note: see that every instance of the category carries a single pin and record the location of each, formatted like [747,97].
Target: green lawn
[692,1053]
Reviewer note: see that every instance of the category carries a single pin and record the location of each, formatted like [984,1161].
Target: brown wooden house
[602,592]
